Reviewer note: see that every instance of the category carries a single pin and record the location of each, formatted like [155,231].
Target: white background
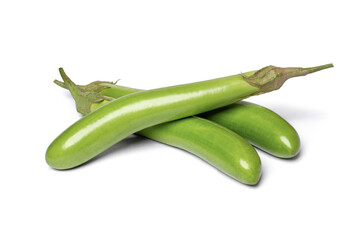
[141,189]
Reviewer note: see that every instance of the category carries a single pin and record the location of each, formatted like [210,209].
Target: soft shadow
[293,159]
[296,114]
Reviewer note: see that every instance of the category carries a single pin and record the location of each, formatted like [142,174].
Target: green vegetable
[118,119]
[262,127]
[218,146]
[259,125]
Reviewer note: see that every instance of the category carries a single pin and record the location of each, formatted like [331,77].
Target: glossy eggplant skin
[122,117]
[260,126]
[217,145]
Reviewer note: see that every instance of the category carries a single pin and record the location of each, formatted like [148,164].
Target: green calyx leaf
[271,78]
[84,96]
